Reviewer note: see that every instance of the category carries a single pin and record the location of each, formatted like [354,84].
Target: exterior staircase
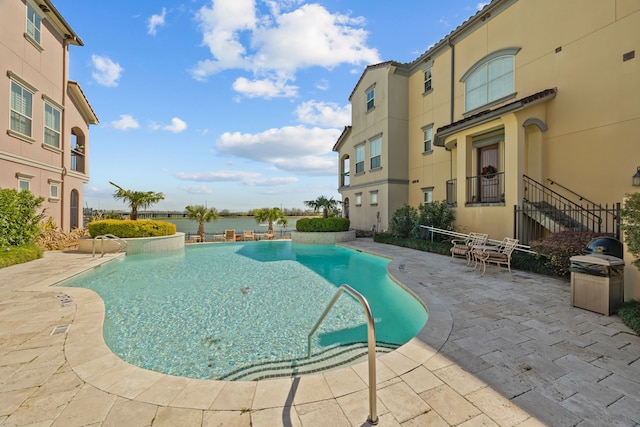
[544,211]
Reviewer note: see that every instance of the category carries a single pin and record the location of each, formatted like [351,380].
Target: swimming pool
[214,310]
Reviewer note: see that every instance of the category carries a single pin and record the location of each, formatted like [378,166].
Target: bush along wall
[323,224]
[127,228]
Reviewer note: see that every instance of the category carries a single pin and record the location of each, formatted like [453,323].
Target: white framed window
[52,117]
[54,189]
[490,79]
[427,195]
[34,23]
[358,199]
[360,159]
[24,181]
[21,109]
[427,80]
[427,136]
[375,151]
[373,197]
[371,94]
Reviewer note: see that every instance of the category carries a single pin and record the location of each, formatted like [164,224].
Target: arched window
[490,79]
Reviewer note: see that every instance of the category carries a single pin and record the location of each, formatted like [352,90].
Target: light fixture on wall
[636,178]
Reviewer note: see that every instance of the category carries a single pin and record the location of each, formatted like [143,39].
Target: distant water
[221,224]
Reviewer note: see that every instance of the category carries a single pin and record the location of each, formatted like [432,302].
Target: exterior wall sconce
[636,178]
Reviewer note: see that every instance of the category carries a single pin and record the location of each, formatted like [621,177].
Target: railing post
[371,344]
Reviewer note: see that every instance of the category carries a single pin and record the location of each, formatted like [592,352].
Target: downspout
[452,94]
[63,130]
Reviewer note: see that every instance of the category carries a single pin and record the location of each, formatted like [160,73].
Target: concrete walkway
[496,351]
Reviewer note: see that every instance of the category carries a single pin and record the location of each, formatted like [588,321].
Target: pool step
[332,358]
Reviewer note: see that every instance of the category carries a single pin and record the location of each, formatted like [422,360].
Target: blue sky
[233,104]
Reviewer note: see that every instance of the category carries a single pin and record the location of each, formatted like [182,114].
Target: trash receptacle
[597,283]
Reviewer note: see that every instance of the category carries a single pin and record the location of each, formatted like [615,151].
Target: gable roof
[343,136]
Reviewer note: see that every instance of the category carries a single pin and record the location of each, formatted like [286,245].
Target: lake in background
[237,223]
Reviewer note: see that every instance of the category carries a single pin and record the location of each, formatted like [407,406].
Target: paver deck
[497,350]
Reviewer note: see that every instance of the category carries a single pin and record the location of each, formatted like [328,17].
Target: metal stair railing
[371,342]
[575,215]
[122,244]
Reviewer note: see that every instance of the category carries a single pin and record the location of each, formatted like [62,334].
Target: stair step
[331,358]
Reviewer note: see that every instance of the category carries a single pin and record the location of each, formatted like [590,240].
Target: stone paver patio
[496,351]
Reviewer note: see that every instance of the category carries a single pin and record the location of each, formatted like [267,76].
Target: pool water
[212,309]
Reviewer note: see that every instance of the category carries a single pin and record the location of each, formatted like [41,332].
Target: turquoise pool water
[215,308]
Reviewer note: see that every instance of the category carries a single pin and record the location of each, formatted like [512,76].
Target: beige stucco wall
[389,120]
[43,69]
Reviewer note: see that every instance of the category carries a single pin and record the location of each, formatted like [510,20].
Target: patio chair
[499,255]
[463,248]
[249,235]
[269,235]
[229,235]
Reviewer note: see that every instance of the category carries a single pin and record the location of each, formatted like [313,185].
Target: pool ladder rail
[122,244]
[371,343]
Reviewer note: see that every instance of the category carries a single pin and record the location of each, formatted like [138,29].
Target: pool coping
[92,360]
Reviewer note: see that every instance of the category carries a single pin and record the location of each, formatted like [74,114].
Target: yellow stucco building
[526,105]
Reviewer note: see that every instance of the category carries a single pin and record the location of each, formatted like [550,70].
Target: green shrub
[322,224]
[437,215]
[442,248]
[19,223]
[127,228]
[19,254]
[629,312]
[559,247]
[631,225]
[404,222]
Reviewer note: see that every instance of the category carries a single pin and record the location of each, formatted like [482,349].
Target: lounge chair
[499,255]
[249,235]
[269,235]
[229,235]
[463,248]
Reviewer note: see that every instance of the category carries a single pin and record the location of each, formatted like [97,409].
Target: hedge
[127,228]
[323,224]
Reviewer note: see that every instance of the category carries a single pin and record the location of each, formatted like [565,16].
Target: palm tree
[269,215]
[327,205]
[137,199]
[201,214]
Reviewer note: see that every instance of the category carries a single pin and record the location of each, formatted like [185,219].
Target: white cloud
[275,45]
[264,88]
[323,114]
[218,176]
[126,122]
[106,72]
[197,189]
[323,84]
[177,125]
[246,178]
[291,148]
[479,6]
[156,21]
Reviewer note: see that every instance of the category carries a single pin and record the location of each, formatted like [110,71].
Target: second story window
[21,109]
[33,23]
[360,159]
[428,138]
[371,94]
[51,125]
[375,150]
[427,80]
[490,79]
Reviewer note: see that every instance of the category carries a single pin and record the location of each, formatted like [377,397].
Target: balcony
[485,189]
[78,161]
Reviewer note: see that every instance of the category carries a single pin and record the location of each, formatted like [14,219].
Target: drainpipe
[452,94]
[63,131]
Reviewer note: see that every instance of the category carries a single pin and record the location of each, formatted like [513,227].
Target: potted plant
[489,171]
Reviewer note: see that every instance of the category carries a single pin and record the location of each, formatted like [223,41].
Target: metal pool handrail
[371,341]
[122,244]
